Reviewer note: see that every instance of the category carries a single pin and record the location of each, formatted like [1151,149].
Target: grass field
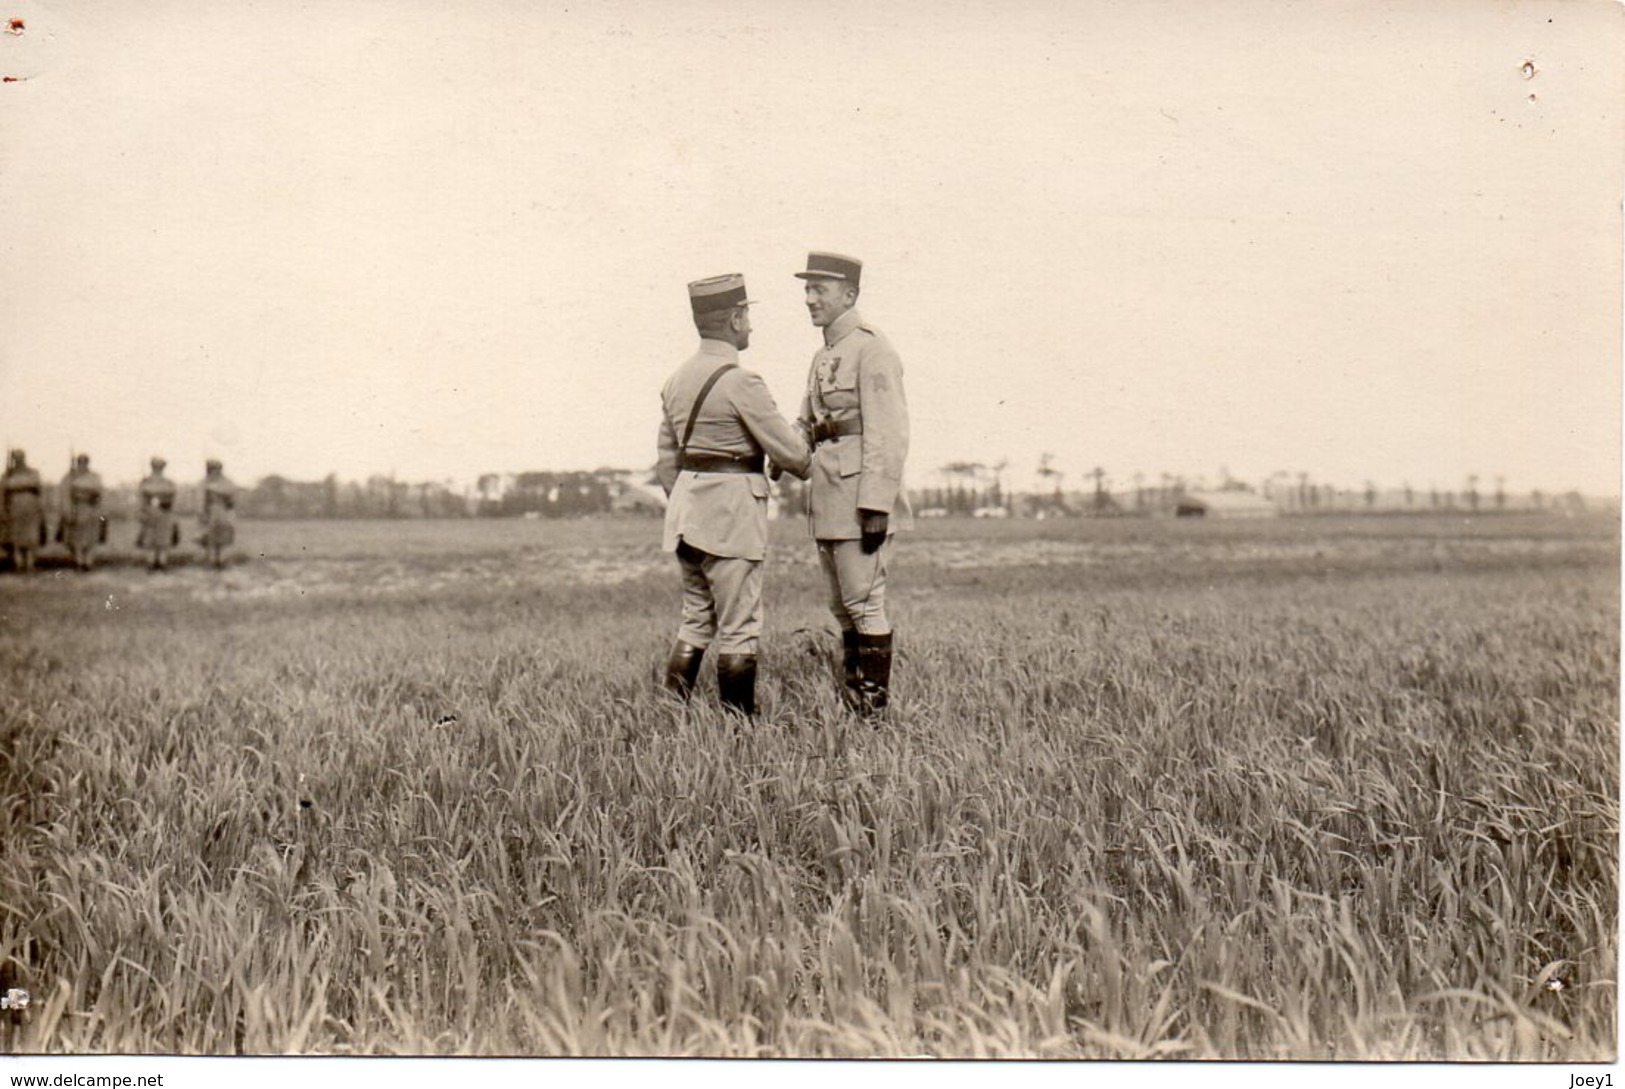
[1312,788]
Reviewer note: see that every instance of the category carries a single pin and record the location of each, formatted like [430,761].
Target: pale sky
[443,239]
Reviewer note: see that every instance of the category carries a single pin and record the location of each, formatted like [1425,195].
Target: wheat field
[1315,788]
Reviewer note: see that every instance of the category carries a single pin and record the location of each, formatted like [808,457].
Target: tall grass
[1312,790]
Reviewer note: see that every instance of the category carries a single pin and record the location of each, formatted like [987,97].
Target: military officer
[159,530]
[856,417]
[717,422]
[83,526]
[24,513]
[219,501]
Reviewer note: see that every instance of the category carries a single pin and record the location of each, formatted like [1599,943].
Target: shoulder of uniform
[876,343]
[742,378]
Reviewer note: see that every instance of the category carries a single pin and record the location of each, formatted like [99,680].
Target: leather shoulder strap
[705,391]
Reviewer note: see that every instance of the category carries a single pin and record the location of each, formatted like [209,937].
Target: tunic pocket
[840,390]
[851,455]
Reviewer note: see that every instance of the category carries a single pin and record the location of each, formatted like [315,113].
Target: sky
[1359,241]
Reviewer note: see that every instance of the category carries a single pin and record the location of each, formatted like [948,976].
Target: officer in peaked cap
[717,423]
[856,417]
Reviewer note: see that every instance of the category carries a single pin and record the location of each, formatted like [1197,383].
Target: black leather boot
[683,668]
[736,682]
[850,670]
[874,673]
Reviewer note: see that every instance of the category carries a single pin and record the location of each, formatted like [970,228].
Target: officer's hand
[774,471]
[873,523]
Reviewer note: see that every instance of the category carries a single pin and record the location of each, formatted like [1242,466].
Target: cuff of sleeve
[878,500]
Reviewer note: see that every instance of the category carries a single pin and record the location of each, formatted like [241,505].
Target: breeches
[722,601]
[857,584]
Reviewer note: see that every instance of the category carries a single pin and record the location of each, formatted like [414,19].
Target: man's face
[741,324]
[827,300]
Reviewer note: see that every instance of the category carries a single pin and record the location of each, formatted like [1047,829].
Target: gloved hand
[873,523]
[774,470]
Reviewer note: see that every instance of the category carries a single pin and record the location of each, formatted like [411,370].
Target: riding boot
[736,682]
[850,670]
[874,673]
[683,668]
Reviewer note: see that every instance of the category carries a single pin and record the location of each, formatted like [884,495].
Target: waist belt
[721,463]
[825,430]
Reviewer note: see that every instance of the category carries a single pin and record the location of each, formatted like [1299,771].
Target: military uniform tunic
[716,522]
[724,514]
[24,521]
[856,381]
[82,519]
[158,525]
[219,500]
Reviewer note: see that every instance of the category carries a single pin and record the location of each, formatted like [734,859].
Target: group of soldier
[722,439]
[82,523]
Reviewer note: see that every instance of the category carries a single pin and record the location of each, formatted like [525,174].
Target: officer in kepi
[717,423]
[856,418]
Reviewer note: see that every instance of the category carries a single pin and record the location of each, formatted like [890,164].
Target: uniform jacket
[82,522]
[219,499]
[856,375]
[724,514]
[24,522]
[159,528]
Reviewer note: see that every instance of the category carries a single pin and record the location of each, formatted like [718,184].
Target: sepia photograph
[811,531]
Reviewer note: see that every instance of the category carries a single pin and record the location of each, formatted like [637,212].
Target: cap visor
[820,276]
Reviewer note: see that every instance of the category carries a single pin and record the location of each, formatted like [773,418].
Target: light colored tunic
[856,379]
[724,514]
[82,521]
[24,522]
[158,526]
[219,502]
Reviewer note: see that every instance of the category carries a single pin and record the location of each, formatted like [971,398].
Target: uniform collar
[719,349]
[841,326]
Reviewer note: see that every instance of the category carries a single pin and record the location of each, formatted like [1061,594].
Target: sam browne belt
[720,463]
[825,430]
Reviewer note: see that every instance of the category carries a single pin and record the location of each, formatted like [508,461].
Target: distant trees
[968,486]
[959,488]
[276,496]
[548,494]
[1049,477]
[558,495]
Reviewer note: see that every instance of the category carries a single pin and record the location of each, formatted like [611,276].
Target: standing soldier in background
[219,500]
[82,526]
[856,418]
[717,422]
[159,530]
[24,513]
